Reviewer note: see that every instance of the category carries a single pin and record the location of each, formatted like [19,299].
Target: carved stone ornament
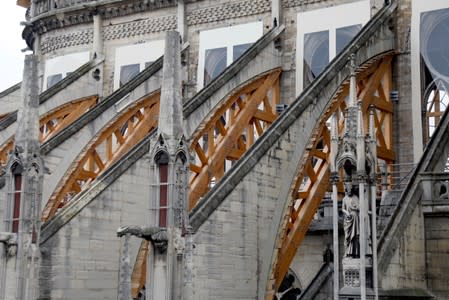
[157,236]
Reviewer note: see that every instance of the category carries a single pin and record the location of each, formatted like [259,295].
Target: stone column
[276,12]
[181,20]
[170,153]
[334,181]
[97,48]
[27,156]
[124,291]
[373,150]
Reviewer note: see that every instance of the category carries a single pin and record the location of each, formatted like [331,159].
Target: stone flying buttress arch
[109,145]
[230,130]
[313,175]
[54,121]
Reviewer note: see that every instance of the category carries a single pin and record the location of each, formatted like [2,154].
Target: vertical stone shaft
[124,292]
[334,180]
[373,149]
[27,145]
[275,12]
[335,234]
[181,19]
[27,134]
[170,117]
[362,240]
[97,50]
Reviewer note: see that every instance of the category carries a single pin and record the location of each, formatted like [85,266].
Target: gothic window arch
[434,65]
[14,198]
[162,161]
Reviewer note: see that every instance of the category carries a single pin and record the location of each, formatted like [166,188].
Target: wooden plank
[297,233]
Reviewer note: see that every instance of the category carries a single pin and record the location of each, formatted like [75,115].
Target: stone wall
[407,266]
[437,254]
[81,260]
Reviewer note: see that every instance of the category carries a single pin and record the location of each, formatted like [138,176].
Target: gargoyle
[157,236]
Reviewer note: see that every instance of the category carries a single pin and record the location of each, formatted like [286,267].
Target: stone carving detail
[71,39]
[157,236]
[350,208]
[228,11]
[142,27]
[112,32]
[352,278]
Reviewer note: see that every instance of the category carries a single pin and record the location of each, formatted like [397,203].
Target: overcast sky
[11,58]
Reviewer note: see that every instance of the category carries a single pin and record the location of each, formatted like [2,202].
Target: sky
[11,58]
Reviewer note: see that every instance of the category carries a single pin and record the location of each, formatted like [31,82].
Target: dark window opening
[163,194]
[53,79]
[344,35]
[128,72]
[316,55]
[16,206]
[215,62]
[238,50]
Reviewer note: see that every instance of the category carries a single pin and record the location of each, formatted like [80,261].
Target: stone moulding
[54,14]
[228,11]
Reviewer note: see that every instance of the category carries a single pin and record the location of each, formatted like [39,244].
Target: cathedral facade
[233,149]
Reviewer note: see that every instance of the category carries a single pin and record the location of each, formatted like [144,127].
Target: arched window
[434,48]
[162,162]
[16,197]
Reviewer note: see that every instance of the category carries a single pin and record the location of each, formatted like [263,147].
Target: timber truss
[230,131]
[312,182]
[116,139]
[53,122]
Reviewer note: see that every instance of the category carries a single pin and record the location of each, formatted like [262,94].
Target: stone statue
[351,225]
[157,236]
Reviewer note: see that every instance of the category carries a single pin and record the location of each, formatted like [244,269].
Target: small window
[344,35]
[215,63]
[320,42]
[219,47]
[238,50]
[132,59]
[127,73]
[53,79]
[163,194]
[16,202]
[316,54]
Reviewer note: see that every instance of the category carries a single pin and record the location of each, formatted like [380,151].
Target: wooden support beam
[230,136]
[139,120]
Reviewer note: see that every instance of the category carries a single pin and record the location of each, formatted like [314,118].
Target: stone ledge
[10,90]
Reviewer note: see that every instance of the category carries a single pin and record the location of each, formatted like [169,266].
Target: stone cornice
[52,14]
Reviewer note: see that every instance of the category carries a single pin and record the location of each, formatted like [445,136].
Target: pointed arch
[230,131]
[109,145]
[312,181]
